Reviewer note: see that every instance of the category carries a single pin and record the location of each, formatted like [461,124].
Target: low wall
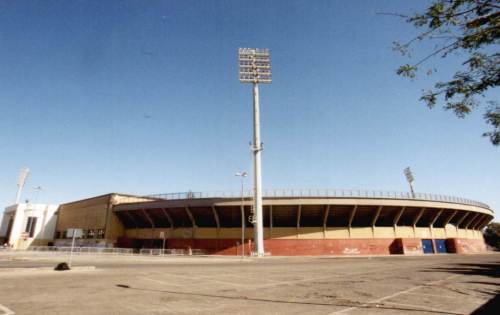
[280,247]
[308,247]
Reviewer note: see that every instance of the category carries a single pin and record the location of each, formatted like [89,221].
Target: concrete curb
[17,270]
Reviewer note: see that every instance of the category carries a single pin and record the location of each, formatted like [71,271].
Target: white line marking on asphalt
[201,278]
[434,295]
[345,310]
[6,310]
[163,282]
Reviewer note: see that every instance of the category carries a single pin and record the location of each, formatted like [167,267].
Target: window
[100,233]
[30,226]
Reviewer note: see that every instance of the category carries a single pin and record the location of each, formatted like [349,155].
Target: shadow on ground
[491,270]
[342,302]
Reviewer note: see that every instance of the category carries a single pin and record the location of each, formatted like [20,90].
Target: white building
[28,224]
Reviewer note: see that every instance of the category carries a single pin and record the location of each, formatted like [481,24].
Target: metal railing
[116,251]
[315,193]
[82,250]
[171,252]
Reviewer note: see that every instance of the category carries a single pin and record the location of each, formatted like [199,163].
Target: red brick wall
[297,247]
[284,247]
[466,246]
[412,246]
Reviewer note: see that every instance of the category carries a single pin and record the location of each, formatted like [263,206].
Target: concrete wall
[44,227]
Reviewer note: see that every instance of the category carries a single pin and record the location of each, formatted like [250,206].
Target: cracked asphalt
[430,284]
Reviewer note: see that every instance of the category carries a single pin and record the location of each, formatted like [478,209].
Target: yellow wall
[361,232]
[303,233]
[404,232]
[85,214]
[95,213]
[384,232]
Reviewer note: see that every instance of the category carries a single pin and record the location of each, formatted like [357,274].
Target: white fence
[116,251]
[82,250]
[171,251]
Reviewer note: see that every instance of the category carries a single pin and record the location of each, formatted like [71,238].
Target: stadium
[296,222]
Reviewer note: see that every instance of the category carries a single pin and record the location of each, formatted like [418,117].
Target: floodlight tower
[20,182]
[410,179]
[255,68]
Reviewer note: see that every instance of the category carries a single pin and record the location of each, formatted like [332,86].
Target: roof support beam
[433,220]
[325,219]
[474,221]
[150,222]
[436,217]
[191,217]
[415,221]
[271,220]
[325,215]
[485,222]
[398,216]
[471,220]
[376,215]
[396,220]
[374,219]
[299,212]
[417,217]
[351,217]
[169,218]
[216,216]
[478,222]
[462,219]
[148,218]
[353,213]
[449,218]
[131,218]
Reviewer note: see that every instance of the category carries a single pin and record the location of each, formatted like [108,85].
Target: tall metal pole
[255,68]
[242,221]
[257,148]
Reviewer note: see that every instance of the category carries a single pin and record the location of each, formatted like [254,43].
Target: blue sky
[143,97]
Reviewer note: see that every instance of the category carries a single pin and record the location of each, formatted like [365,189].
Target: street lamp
[409,177]
[255,68]
[37,190]
[242,176]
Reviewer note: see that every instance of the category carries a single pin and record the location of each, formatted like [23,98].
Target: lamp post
[242,176]
[409,177]
[255,68]
[37,190]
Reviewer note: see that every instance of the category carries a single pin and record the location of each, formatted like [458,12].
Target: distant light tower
[23,175]
[242,176]
[410,179]
[37,190]
[255,68]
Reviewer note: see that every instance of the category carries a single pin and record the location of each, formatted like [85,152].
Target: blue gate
[427,246]
[440,246]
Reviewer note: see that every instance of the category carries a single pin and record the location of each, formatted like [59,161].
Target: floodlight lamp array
[409,175]
[254,65]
